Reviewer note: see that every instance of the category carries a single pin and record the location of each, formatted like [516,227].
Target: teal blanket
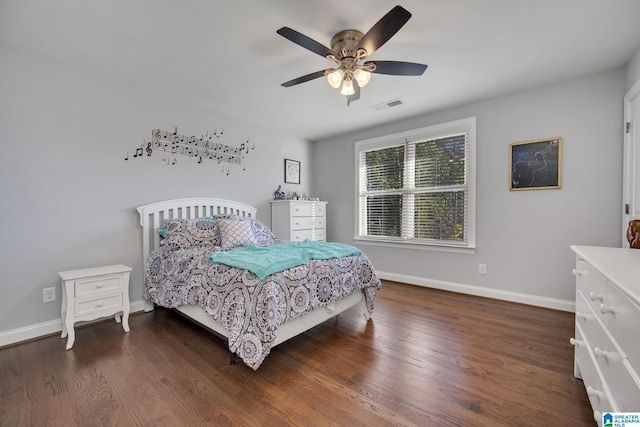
[265,261]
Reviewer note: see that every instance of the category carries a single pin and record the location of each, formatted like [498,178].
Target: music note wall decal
[198,147]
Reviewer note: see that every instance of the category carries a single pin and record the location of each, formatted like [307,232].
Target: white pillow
[235,232]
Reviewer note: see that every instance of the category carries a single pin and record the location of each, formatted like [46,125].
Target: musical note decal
[201,148]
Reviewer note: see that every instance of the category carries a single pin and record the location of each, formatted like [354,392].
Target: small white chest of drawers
[607,340]
[297,220]
[92,293]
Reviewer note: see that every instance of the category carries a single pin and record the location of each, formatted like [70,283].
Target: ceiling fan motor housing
[345,43]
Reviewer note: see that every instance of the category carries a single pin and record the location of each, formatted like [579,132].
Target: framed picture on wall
[291,171]
[536,165]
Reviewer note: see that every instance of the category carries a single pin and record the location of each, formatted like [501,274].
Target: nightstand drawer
[97,284]
[108,303]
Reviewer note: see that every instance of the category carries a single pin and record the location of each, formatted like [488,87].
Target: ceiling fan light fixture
[335,78]
[362,76]
[347,88]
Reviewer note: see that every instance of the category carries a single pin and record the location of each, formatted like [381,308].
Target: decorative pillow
[162,230]
[235,232]
[187,233]
[263,235]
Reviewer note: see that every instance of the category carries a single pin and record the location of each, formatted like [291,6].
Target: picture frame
[291,171]
[536,164]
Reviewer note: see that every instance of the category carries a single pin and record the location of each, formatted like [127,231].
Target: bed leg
[233,359]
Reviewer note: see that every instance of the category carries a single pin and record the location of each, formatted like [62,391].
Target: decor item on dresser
[291,171]
[93,293]
[633,233]
[206,269]
[297,220]
[278,195]
[607,348]
[536,165]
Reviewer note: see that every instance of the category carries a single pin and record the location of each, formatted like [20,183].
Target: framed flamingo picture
[536,165]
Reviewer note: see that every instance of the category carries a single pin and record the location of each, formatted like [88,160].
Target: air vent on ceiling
[388,104]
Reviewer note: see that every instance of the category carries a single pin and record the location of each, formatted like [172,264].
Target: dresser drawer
[622,319]
[620,379]
[300,235]
[98,305]
[306,222]
[315,234]
[307,209]
[97,285]
[302,209]
[598,396]
[591,283]
[585,317]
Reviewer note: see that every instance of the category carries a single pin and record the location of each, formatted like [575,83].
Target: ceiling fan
[349,48]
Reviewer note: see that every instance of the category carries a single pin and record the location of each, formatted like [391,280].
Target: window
[418,187]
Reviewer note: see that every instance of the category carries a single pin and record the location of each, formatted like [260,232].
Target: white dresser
[297,220]
[92,293]
[607,336]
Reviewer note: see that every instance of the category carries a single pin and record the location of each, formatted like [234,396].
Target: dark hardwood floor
[427,358]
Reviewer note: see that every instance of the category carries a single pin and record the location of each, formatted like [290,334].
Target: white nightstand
[93,293]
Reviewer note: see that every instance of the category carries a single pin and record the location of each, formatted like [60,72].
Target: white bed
[153,215]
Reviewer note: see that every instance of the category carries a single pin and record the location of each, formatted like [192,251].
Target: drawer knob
[593,392]
[577,272]
[597,415]
[600,352]
[100,304]
[596,297]
[99,285]
[604,309]
[575,342]
[582,316]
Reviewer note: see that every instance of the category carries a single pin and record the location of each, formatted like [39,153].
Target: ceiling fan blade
[398,68]
[303,79]
[305,42]
[384,29]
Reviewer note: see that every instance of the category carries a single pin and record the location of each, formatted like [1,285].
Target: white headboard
[153,215]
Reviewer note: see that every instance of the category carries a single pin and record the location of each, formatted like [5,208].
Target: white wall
[69,197]
[632,71]
[522,236]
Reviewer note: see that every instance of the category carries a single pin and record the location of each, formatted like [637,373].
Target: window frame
[436,131]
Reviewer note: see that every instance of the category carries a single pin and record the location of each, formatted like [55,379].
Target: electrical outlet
[48,294]
[482,268]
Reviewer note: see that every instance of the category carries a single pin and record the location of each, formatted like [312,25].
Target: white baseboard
[46,328]
[535,300]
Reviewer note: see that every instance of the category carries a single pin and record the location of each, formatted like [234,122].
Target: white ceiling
[227,56]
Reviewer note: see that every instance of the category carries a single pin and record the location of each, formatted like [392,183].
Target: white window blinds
[418,190]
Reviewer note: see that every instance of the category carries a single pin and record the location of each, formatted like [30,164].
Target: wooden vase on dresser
[607,335]
[298,220]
